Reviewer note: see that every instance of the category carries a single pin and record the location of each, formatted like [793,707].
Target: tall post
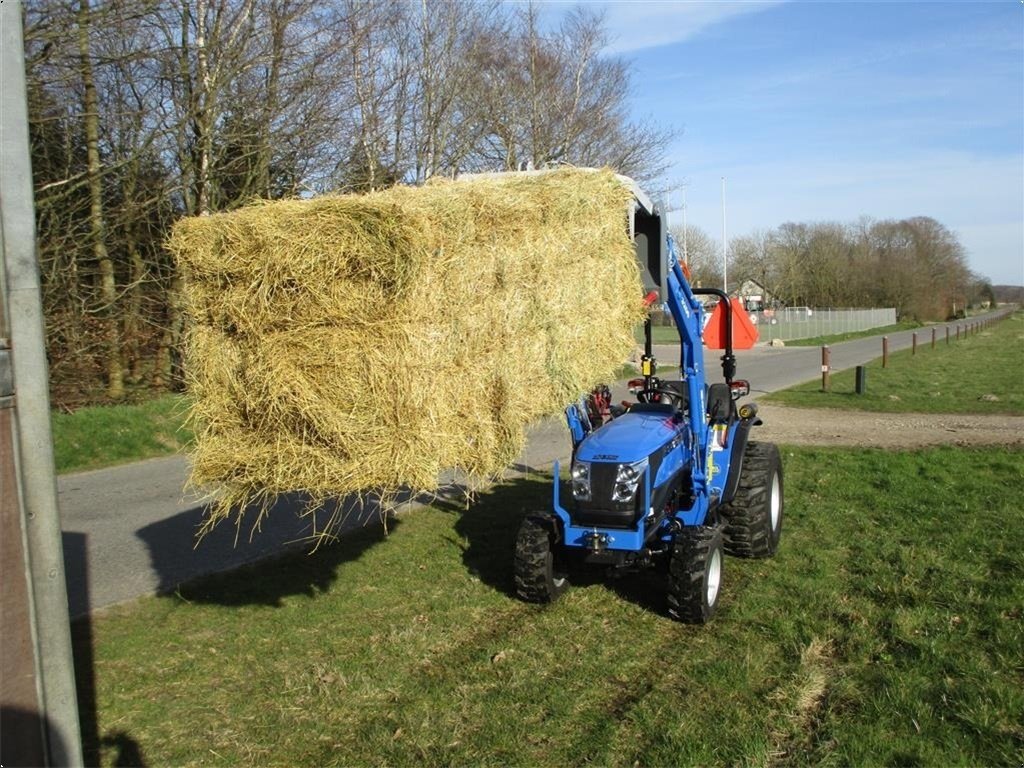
[913,346]
[686,253]
[32,501]
[933,338]
[725,245]
[826,367]
[885,351]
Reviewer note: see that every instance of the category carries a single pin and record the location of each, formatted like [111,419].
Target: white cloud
[634,26]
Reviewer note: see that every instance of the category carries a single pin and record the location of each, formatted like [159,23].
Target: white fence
[807,322]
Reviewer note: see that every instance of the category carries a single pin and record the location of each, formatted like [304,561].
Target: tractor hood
[631,437]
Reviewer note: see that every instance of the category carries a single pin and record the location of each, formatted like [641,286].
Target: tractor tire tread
[533,581]
[691,551]
[747,517]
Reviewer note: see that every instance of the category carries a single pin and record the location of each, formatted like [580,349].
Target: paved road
[130,530]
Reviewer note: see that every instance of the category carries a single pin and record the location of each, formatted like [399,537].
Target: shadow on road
[276,562]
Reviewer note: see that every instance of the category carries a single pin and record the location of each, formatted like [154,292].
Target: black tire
[695,574]
[540,574]
[753,519]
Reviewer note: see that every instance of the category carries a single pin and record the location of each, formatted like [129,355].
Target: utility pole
[725,245]
[686,255]
[40,709]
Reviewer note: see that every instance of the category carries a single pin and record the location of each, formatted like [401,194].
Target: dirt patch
[814,426]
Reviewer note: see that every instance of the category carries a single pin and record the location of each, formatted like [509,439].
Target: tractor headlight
[581,480]
[627,477]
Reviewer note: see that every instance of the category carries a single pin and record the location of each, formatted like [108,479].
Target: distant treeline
[1009,294]
[916,265]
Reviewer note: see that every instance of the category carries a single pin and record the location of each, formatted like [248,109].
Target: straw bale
[367,343]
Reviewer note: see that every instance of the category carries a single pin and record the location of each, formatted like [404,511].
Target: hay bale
[367,343]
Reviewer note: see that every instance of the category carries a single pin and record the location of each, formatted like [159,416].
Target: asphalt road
[130,530]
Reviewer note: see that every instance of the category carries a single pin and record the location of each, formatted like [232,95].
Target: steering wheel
[653,395]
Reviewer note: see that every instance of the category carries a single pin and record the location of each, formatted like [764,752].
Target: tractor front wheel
[540,575]
[695,574]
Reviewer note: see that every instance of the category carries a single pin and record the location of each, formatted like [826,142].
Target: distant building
[759,302]
[756,298]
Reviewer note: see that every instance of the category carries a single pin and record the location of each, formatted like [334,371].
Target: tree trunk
[97,230]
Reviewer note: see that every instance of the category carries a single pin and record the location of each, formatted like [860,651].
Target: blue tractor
[671,481]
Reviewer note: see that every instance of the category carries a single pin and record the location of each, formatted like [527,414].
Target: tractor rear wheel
[695,573]
[753,519]
[540,575]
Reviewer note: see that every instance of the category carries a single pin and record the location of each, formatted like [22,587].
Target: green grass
[949,379]
[99,436]
[836,338]
[887,631]
[660,334]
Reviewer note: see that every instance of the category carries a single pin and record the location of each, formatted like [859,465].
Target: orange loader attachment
[744,332]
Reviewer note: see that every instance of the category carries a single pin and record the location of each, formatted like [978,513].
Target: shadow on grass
[296,570]
[489,526]
[120,748]
[230,567]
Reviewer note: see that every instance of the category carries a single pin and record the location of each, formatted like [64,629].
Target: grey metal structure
[27,412]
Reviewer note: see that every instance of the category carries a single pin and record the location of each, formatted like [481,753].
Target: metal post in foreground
[34,494]
[933,338]
[913,344]
[862,379]
[826,367]
[947,334]
[885,351]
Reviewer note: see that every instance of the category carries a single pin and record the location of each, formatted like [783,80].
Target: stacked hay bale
[367,343]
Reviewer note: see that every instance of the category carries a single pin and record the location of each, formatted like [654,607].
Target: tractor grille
[601,510]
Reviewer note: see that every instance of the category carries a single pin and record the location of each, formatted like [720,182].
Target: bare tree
[704,255]
[557,99]
[447,37]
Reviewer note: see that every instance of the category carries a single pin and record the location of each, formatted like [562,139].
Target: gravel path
[815,426]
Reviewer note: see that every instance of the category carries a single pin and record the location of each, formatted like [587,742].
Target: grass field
[960,377]
[887,631]
[100,436]
[660,334]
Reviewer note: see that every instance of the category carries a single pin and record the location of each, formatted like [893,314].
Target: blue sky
[833,111]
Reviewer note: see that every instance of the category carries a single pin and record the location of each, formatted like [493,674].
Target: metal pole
[913,349]
[686,254]
[826,367]
[725,245]
[885,351]
[33,444]
[933,338]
